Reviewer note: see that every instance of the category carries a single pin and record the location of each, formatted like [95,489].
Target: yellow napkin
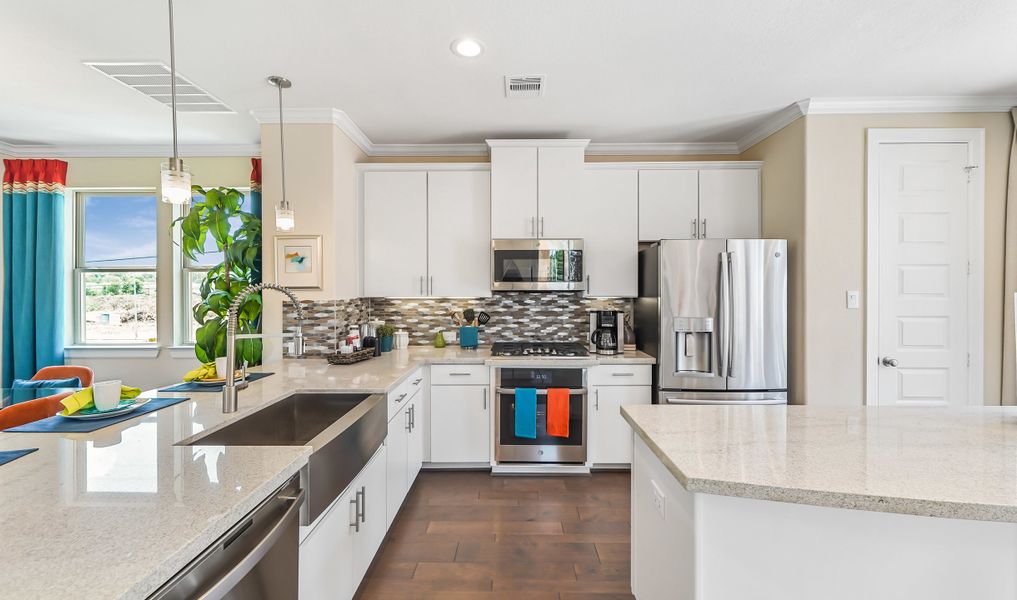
[82,399]
[202,372]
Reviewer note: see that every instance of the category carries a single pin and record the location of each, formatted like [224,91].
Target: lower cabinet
[460,424]
[610,435]
[405,445]
[335,555]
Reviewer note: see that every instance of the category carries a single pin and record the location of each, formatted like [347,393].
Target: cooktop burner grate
[540,349]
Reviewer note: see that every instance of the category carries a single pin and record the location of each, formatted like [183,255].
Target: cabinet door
[415,439]
[459,233]
[326,554]
[513,192]
[729,203]
[609,228]
[668,205]
[374,522]
[395,233]
[396,468]
[560,203]
[460,426]
[611,439]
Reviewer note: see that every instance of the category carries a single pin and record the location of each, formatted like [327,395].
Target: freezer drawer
[717,398]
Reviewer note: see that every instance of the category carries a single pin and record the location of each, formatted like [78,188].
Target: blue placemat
[7,456]
[190,386]
[59,424]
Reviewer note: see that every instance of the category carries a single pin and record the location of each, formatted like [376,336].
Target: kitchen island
[804,502]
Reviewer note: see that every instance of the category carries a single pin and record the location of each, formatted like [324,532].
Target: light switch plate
[854,299]
[658,499]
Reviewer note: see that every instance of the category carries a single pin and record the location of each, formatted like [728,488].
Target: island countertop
[954,463]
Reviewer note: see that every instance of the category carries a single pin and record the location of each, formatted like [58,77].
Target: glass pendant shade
[176,183]
[284,219]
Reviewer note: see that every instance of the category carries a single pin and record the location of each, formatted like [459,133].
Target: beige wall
[783,216]
[835,260]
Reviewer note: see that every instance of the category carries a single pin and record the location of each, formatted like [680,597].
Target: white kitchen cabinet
[729,203]
[404,446]
[513,192]
[610,434]
[668,204]
[561,207]
[335,554]
[459,233]
[460,424]
[610,229]
[415,439]
[395,233]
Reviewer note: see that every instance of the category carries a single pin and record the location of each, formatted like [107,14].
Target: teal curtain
[33,230]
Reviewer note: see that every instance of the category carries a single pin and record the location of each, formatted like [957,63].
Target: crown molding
[779,120]
[126,151]
[428,150]
[910,104]
[319,115]
[662,149]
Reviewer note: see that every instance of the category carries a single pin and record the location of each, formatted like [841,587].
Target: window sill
[182,351]
[112,351]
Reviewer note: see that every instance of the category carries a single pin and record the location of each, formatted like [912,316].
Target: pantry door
[925,246]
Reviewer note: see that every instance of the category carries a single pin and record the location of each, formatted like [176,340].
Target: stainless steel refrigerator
[714,315]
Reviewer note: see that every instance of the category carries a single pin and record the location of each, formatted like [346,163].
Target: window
[194,272]
[114,274]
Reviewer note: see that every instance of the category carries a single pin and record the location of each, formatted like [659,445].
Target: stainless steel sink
[345,431]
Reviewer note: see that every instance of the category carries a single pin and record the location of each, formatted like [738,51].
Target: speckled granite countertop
[153,506]
[954,463]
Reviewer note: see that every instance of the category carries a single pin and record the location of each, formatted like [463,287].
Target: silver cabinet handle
[704,228]
[417,382]
[623,374]
[485,398]
[355,503]
[400,398]
[421,285]
[890,362]
[533,226]
[409,421]
[459,374]
[694,228]
[541,226]
[431,290]
[587,284]
[363,504]
[413,417]
[596,399]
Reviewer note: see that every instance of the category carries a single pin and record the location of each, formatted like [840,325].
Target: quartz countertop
[955,463]
[150,505]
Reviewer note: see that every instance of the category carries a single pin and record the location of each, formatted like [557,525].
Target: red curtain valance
[256,175]
[33,173]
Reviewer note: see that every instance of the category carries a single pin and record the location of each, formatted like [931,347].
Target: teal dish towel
[526,413]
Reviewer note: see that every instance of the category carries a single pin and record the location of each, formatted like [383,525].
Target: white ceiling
[617,70]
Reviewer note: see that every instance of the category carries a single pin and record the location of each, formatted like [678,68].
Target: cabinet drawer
[460,375]
[414,382]
[620,375]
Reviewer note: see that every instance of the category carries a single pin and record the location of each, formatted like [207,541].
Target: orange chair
[84,374]
[32,410]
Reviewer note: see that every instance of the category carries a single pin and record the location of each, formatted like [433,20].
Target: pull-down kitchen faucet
[232,388]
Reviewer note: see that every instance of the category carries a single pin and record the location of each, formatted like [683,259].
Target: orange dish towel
[558,412]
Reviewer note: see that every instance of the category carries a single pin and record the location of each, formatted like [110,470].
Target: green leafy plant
[237,235]
[385,330]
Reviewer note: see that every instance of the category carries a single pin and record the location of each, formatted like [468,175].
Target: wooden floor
[465,535]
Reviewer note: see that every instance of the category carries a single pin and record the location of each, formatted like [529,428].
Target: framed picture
[298,261]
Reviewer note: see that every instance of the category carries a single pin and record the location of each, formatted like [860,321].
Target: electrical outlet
[658,499]
[853,299]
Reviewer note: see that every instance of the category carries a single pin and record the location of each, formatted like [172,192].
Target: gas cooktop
[540,349]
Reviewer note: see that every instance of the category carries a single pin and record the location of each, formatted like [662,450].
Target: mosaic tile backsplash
[515,316]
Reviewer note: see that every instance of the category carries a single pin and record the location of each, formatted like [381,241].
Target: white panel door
[668,205]
[396,469]
[459,233]
[395,233]
[415,439]
[560,202]
[513,192]
[326,554]
[923,274]
[610,230]
[729,203]
[373,522]
[460,426]
[610,434]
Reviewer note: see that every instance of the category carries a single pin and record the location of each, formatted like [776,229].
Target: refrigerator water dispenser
[694,343]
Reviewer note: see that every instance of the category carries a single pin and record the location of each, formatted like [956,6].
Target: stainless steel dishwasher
[257,559]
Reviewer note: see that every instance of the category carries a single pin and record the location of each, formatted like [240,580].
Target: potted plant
[237,235]
[385,333]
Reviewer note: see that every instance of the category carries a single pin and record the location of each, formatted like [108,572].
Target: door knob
[890,362]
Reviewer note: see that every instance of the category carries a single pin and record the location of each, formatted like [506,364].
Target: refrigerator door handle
[725,311]
[731,314]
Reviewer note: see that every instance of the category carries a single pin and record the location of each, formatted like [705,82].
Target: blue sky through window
[120,231]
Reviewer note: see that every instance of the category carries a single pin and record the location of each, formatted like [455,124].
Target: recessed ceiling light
[467,48]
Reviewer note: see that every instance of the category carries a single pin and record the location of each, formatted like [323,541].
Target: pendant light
[284,218]
[175,179]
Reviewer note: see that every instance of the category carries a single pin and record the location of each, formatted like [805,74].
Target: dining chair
[84,374]
[31,410]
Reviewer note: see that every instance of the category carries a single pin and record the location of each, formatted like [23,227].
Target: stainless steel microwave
[537,265]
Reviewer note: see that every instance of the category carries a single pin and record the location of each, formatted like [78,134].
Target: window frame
[79,270]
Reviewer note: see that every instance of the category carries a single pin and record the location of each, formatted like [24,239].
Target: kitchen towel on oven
[526,413]
[558,412]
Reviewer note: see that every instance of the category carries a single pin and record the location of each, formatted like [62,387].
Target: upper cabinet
[699,202]
[536,188]
[426,230]
[609,226]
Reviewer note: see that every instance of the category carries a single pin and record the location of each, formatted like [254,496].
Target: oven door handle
[572,391]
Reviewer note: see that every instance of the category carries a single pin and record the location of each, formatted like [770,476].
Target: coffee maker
[607,330]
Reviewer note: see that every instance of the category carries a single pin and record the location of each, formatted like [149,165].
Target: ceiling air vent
[153,80]
[524,86]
